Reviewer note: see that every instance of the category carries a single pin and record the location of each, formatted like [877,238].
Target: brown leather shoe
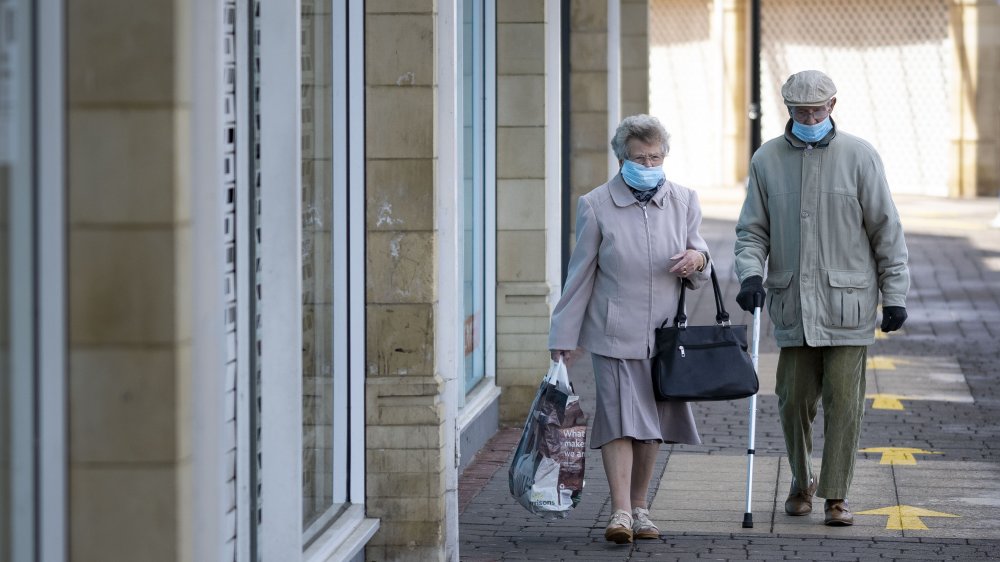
[837,514]
[800,502]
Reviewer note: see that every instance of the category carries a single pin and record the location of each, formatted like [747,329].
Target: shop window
[332,263]
[473,162]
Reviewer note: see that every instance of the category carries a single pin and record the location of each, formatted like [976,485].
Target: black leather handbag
[702,363]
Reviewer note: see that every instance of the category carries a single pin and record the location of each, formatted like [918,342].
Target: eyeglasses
[802,114]
[647,160]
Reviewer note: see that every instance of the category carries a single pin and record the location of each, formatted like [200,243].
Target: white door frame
[51,280]
[206,520]
[36,285]
[280,535]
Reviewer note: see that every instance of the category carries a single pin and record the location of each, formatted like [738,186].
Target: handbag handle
[721,316]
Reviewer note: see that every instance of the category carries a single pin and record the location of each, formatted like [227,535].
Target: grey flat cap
[809,87]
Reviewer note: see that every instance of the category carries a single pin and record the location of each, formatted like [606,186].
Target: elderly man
[818,209]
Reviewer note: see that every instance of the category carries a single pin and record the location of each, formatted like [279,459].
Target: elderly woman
[637,240]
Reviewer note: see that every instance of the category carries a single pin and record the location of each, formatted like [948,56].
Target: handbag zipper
[707,345]
[704,346]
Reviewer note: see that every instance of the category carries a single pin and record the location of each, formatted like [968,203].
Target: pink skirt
[626,406]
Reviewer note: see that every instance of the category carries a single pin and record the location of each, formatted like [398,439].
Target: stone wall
[129,254]
[635,56]
[974,165]
[589,138]
[404,413]
[523,290]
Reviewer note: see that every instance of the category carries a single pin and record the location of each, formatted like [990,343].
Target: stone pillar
[975,97]
[635,56]
[523,289]
[407,454]
[129,245]
[735,65]
[589,138]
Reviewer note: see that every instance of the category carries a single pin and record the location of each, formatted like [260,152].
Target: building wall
[635,56]
[974,101]
[524,290]
[404,407]
[128,271]
[588,98]
[733,31]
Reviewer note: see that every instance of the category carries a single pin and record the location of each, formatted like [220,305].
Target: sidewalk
[927,480]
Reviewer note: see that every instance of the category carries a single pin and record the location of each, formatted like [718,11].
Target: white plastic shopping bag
[546,474]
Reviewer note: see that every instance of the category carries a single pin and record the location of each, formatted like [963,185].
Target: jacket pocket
[782,306]
[611,320]
[846,298]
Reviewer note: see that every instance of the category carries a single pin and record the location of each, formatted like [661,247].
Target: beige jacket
[824,221]
[618,288]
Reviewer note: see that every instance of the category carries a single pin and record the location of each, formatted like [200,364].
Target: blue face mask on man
[812,133]
[640,177]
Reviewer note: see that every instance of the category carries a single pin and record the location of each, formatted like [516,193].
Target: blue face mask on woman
[640,177]
[812,133]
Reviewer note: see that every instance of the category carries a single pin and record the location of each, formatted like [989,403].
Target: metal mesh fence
[685,88]
[890,60]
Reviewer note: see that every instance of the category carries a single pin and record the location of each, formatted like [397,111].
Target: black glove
[751,293]
[893,318]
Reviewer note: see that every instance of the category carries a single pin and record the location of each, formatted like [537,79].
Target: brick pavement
[954,316]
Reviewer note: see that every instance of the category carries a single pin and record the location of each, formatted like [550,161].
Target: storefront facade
[272,273]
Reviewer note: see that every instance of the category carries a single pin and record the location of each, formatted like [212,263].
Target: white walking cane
[754,348]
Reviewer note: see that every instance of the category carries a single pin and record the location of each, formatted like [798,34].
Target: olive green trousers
[837,376]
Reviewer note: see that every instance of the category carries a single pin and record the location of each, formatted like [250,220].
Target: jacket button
[849,291]
[805,214]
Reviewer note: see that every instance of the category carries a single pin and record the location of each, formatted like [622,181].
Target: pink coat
[619,289]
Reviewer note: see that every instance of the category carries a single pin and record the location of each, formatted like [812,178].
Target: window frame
[473,402]
[37,288]
[51,278]
[349,530]
[281,534]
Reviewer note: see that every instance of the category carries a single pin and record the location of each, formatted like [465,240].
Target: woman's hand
[689,262]
[555,354]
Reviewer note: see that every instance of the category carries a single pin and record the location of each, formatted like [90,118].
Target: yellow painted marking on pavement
[898,455]
[884,363]
[905,517]
[886,401]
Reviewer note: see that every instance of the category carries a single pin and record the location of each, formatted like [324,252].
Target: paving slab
[929,378]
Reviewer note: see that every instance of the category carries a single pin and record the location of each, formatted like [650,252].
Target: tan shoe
[619,529]
[800,502]
[837,514]
[642,527]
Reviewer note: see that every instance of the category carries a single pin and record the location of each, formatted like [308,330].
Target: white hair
[646,128]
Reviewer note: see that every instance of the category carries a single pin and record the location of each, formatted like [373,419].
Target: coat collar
[621,194]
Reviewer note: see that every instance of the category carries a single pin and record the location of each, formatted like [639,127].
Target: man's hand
[893,318]
[751,293]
